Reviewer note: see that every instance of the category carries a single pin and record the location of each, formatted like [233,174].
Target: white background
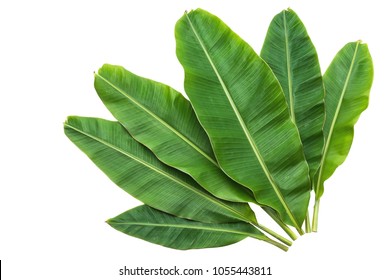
[54,201]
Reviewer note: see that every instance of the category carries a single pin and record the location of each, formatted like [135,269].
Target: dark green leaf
[137,171]
[163,120]
[292,56]
[241,105]
[160,228]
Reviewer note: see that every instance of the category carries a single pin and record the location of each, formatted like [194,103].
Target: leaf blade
[163,120]
[137,171]
[289,52]
[160,228]
[219,67]
[348,81]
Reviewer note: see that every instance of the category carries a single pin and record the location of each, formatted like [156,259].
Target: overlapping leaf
[163,120]
[348,82]
[241,105]
[137,171]
[292,56]
[160,228]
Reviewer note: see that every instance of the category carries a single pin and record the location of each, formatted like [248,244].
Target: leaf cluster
[266,129]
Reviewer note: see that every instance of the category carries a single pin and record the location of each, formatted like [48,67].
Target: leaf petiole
[277,244]
[275,217]
[307,223]
[274,234]
[315,215]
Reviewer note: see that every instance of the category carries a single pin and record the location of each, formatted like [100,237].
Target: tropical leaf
[241,105]
[293,58]
[137,171]
[347,82]
[163,120]
[160,228]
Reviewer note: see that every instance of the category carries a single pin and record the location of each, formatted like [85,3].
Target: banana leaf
[241,105]
[347,82]
[137,171]
[293,58]
[163,120]
[157,227]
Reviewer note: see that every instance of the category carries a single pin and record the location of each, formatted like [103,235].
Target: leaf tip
[66,122]
[360,43]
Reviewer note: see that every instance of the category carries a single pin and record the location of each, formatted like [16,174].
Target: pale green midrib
[327,142]
[178,181]
[245,129]
[189,227]
[291,95]
[288,61]
[180,135]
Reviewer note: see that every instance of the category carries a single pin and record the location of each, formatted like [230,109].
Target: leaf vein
[244,128]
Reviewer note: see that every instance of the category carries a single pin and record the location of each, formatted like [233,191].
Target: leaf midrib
[177,133]
[288,61]
[327,142]
[178,181]
[244,128]
[188,227]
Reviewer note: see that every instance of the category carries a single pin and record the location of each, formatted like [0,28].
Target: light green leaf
[293,58]
[348,82]
[160,228]
[241,105]
[137,171]
[163,120]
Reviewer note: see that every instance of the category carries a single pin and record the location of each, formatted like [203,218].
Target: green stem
[274,234]
[276,218]
[315,214]
[300,231]
[277,244]
[307,222]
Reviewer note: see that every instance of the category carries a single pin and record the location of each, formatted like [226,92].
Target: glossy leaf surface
[137,171]
[163,120]
[241,105]
[348,82]
[293,58]
[160,228]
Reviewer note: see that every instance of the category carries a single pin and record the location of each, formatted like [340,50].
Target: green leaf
[137,171]
[241,105]
[163,120]
[348,82]
[293,58]
[160,228]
